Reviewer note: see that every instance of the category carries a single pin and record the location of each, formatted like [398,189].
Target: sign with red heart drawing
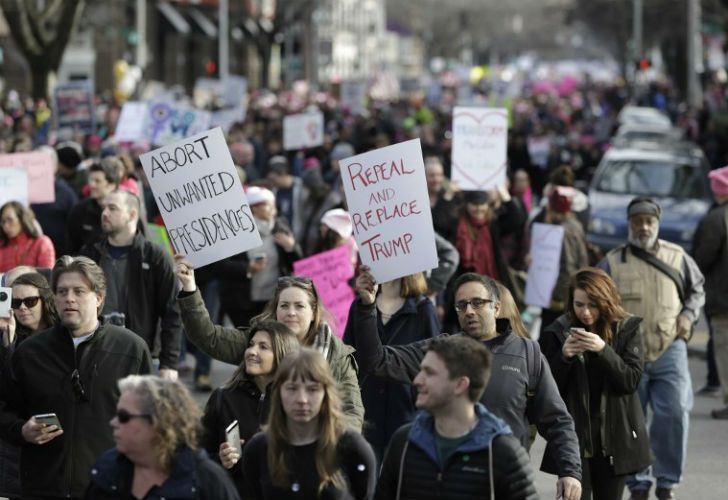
[479,147]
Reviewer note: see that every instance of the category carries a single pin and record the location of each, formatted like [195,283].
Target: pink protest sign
[39,166]
[330,272]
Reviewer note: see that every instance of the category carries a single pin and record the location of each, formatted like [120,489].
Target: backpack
[533,365]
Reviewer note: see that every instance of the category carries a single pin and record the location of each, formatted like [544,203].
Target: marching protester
[658,282]
[522,390]
[404,315]
[156,430]
[21,240]
[710,252]
[61,392]
[244,398]
[306,449]
[296,304]
[141,286]
[455,448]
[595,353]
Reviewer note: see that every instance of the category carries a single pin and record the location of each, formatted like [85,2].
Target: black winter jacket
[505,395]
[710,251]
[41,382]
[84,225]
[152,297]
[491,464]
[193,476]
[623,432]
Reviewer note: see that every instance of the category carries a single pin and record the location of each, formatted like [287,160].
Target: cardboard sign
[546,242]
[305,130]
[386,193]
[13,185]
[201,199]
[130,127]
[40,174]
[479,147]
[169,122]
[74,106]
[330,272]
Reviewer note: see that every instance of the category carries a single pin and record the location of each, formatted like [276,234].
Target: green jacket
[228,344]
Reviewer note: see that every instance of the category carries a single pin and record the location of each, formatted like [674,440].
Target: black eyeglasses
[124,416]
[29,302]
[476,304]
[78,391]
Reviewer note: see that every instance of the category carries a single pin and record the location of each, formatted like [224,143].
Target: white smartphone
[6,296]
[48,419]
[232,436]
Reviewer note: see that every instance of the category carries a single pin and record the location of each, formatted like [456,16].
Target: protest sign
[479,145]
[40,177]
[158,234]
[225,118]
[353,94]
[386,193]
[74,106]
[304,130]
[168,122]
[546,243]
[201,199]
[233,90]
[13,185]
[330,272]
[130,127]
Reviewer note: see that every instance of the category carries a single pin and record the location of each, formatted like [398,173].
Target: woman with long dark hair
[595,353]
[21,242]
[306,450]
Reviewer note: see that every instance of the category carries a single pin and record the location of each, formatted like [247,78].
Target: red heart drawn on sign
[479,120]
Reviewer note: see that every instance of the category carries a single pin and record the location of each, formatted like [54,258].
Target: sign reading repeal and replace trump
[386,193]
[201,199]
[330,272]
[479,147]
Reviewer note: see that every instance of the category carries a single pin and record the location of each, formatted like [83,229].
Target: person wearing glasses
[157,453]
[521,390]
[297,305]
[305,449]
[246,396]
[69,370]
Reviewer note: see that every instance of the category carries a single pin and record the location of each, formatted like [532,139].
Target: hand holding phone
[231,450]
[40,429]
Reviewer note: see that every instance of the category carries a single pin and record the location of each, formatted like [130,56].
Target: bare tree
[42,29]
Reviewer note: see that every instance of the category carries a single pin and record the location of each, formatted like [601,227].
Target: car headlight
[601,226]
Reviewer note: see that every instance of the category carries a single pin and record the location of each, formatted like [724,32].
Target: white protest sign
[479,147]
[13,185]
[233,90]
[304,130]
[386,193]
[168,122]
[40,178]
[201,199]
[546,242]
[225,118]
[130,127]
[353,95]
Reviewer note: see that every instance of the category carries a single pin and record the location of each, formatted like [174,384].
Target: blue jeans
[667,389]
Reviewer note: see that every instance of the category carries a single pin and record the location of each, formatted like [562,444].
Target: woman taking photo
[404,315]
[296,304]
[305,450]
[245,397]
[595,354]
[156,454]
[21,242]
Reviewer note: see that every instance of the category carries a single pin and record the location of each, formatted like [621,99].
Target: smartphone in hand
[48,419]
[232,437]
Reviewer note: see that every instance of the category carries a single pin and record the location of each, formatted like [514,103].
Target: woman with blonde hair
[595,353]
[404,315]
[156,430]
[509,310]
[305,450]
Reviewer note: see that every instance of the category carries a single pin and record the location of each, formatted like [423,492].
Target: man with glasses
[510,394]
[70,371]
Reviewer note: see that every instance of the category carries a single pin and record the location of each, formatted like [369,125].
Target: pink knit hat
[719,181]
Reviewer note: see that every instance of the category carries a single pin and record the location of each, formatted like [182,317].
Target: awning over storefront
[174,18]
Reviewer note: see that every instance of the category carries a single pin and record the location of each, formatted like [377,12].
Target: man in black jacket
[142,288]
[511,395]
[455,448]
[70,370]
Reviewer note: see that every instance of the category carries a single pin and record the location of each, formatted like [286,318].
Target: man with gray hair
[662,284]
[62,391]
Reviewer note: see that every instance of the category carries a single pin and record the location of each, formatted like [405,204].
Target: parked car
[675,174]
[639,115]
[646,132]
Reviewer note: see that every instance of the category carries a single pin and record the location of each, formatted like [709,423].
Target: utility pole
[637,29]
[695,54]
[224,41]
[141,29]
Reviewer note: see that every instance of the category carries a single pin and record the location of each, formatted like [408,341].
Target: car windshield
[652,178]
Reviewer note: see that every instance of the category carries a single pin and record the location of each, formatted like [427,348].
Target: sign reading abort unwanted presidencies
[386,193]
[201,199]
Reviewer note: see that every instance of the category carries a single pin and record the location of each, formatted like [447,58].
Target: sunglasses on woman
[124,416]
[29,302]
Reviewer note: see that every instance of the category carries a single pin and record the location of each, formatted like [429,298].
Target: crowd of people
[91,401]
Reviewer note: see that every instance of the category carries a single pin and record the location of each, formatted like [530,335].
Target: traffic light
[210,67]
[643,64]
